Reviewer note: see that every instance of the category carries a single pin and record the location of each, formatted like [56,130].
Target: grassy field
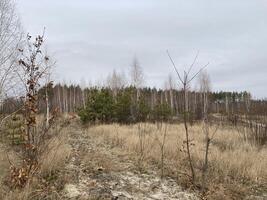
[237,168]
[42,185]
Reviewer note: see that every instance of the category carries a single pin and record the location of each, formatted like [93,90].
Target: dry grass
[232,160]
[4,161]
[55,155]
[48,181]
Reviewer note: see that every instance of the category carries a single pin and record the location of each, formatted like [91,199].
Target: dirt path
[97,171]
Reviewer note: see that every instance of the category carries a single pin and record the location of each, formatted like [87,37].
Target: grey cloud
[90,38]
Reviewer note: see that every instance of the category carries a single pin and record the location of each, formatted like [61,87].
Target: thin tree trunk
[47,107]
[187,134]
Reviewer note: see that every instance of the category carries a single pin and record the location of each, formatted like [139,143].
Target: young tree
[161,136]
[185,81]
[32,62]
[162,112]
[123,106]
[143,110]
[205,88]
[100,107]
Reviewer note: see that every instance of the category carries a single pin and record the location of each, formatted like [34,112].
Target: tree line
[135,104]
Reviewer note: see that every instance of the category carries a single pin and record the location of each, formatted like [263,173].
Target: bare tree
[170,86]
[160,137]
[142,144]
[65,97]
[137,75]
[115,81]
[48,85]
[10,38]
[205,88]
[185,81]
[83,86]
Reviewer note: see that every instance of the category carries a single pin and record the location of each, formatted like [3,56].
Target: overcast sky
[90,38]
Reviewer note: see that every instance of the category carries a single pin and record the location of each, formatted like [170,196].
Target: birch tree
[48,85]
[115,81]
[171,87]
[137,76]
[83,87]
[10,37]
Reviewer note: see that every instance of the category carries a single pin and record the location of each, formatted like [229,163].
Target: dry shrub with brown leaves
[45,182]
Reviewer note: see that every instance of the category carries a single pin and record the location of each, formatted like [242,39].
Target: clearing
[98,171]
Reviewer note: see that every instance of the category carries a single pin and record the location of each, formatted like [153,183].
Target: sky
[90,38]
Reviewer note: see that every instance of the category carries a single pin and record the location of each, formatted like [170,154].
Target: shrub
[123,107]
[162,112]
[100,107]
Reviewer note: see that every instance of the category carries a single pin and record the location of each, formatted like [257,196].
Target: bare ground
[97,171]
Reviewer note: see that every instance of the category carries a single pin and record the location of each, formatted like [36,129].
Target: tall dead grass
[44,184]
[55,155]
[231,159]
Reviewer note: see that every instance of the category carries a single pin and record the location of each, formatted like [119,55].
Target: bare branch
[175,68]
[5,118]
[192,65]
[198,73]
